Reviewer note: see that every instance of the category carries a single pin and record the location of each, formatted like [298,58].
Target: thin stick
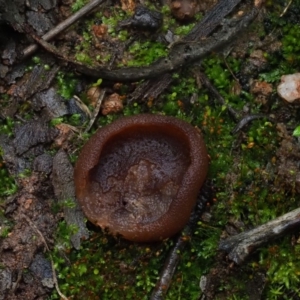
[63,26]
[97,109]
[286,8]
[33,226]
[228,67]
[170,267]
[175,254]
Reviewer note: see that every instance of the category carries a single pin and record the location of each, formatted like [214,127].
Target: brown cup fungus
[139,176]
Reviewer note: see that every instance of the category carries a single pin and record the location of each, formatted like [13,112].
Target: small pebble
[289,87]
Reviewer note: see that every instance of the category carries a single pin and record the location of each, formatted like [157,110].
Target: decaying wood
[64,188]
[38,81]
[211,20]
[151,88]
[63,25]
[242,245]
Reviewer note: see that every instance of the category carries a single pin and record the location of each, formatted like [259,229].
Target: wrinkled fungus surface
[139,176]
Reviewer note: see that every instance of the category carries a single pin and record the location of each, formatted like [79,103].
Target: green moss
[132,109]
[284,61]
[296,131]
[83,58]
[217,71]
[25,173]
[74,120]
[112,21]
[8,184]
[78,4]
[290,43]
[36,60]
[144,53]
[6,126]
[283,267]
[184,29]
[107,268]
[66,84]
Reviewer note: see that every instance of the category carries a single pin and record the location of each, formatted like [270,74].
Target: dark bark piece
[5,282]
[211,20]
[17,72]
[8,150]
[14,163]
[43,163]
[64,190]
[41,268]
[19,248]
[9,53]
[39,21]
[242,245]
[39,80]
[51,104]
[12,12]
[75,107]
[32,134]
[151,88]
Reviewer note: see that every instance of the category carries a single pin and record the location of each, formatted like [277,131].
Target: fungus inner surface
[138,175]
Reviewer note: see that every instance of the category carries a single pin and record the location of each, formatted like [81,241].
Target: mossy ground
[111,268]
[246,190]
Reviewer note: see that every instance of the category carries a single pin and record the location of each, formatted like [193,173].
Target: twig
[230,70]
[247,119]
[170,266]
[63,26]
[241,245]
[286,8]
[16,283]
[97,109]
[165,278]
[33,226]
